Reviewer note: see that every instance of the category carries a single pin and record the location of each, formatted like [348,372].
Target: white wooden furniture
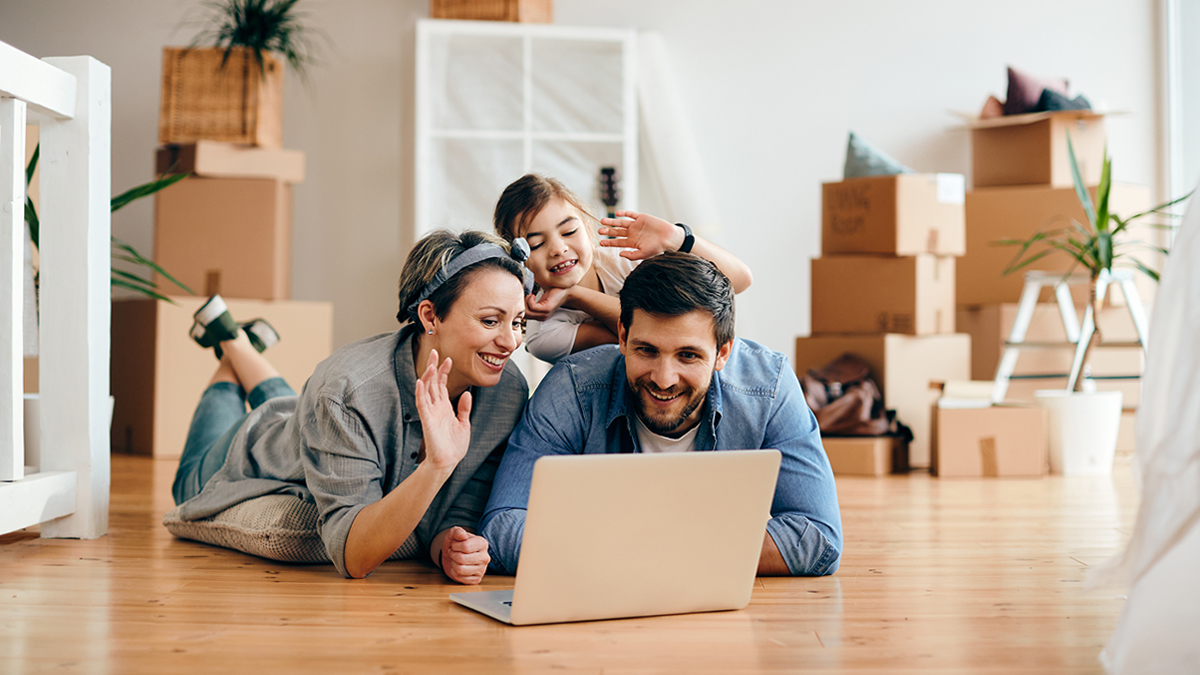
[1077,338]
[69,97]
[497,100]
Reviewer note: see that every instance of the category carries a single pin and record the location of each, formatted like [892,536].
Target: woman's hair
[525,197]
[433,252]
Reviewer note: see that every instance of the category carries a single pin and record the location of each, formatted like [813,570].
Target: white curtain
[1159,628]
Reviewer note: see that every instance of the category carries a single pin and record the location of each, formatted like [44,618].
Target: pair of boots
[213,324]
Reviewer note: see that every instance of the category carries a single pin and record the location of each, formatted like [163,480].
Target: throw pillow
[280,527]
[1024,90]
[864,159]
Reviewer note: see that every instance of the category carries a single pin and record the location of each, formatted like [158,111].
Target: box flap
[1030,118]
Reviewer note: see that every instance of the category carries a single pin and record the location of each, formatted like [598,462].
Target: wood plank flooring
[938,576]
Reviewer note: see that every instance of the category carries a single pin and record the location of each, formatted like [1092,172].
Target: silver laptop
[615,536]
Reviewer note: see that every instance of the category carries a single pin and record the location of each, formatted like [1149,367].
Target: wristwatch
[689,239]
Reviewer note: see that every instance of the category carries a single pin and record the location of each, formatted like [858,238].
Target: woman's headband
[475,254]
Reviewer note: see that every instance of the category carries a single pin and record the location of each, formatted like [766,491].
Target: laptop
[626,535]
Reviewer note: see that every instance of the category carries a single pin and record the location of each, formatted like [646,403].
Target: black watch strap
[689,239]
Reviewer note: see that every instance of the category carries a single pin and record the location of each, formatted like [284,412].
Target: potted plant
[1083,426]
[233,90]
[121,250]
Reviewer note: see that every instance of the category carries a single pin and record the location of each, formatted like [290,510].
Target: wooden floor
[937,576]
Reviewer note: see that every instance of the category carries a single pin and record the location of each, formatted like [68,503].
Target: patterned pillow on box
[864,159]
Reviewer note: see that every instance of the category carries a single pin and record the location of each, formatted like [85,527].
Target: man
[678,381]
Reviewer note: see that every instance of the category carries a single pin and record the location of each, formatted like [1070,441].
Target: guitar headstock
[610,189]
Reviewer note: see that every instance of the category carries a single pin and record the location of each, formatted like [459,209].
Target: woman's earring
[430,331]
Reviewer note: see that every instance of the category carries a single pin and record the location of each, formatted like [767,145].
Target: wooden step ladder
[1077,337]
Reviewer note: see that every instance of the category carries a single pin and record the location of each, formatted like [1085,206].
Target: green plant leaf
[121,283]
[145,190]
[1018,265]
[33,162]
[1104,250]
[1080,189]
[1158,209]
[31,217]
[1102,192]
[1144,269]
[139,259]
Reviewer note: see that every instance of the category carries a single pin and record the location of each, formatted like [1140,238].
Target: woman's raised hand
[447,435]
[644,234]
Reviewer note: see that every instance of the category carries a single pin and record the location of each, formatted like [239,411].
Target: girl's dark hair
[433,252]
[673,284]
[525,197]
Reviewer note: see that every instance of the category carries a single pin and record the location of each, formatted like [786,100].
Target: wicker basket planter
[525,11]
[203,101]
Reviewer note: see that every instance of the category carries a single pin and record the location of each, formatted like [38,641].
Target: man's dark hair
[674,284]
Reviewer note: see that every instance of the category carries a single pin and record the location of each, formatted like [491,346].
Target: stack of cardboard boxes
[884,289]
[225,229]
[1023,185]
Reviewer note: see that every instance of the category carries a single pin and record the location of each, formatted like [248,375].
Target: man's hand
[647,235]
[464,556]
[541,309]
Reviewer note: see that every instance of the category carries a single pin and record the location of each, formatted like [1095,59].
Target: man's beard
[663,423]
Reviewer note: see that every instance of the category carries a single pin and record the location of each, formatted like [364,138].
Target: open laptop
[615,536]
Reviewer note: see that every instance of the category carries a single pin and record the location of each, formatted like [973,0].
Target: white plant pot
[1082,430]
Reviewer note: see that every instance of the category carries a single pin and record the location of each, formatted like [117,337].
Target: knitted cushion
[278,526]
[864,159]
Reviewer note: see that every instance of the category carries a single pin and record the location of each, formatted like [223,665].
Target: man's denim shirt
[755,401]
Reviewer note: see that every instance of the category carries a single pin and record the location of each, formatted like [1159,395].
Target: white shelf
[549,136]
[495,101]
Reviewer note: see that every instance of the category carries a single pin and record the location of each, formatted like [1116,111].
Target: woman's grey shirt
[352,436]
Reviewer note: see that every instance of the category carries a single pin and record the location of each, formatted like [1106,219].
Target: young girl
[580,281]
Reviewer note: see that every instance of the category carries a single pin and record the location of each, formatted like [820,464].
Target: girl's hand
[447,436]
[552,299]
[645,234]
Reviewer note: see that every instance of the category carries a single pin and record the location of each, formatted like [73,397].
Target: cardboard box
[996,214]
[1000,441]
[990,325]
[214,159]
[873,294]
[1032,149]
[231,236]
[899,215]
[903,366]
[159,373]
[865,455]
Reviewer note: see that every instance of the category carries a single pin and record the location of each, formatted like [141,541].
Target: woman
[392,460]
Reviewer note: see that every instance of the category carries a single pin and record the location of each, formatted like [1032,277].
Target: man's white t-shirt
[652,442]
[552,339]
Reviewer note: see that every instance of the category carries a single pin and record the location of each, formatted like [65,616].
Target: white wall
[772,86]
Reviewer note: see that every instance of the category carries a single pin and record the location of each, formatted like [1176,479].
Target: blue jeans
[219,415]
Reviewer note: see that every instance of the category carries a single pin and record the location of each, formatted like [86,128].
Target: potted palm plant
[1083,425]
[122,251]
[233,90]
